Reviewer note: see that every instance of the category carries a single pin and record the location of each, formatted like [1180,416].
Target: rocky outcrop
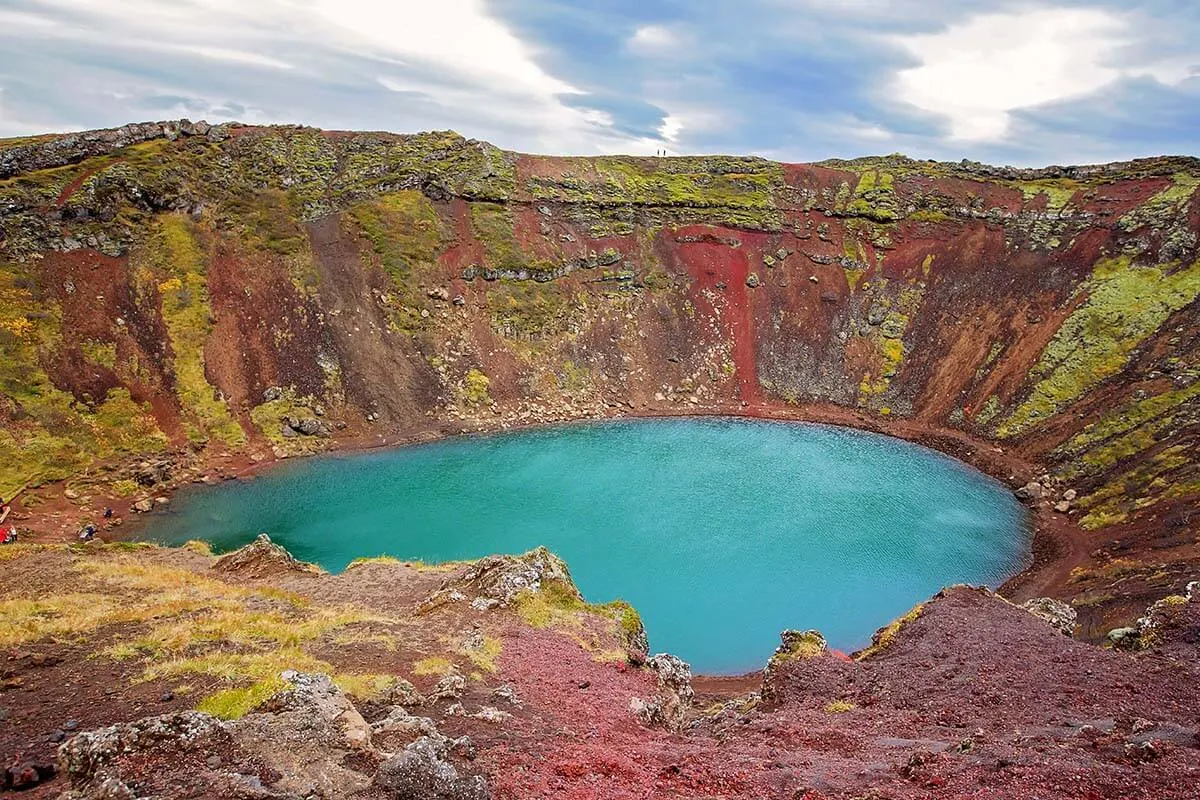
[669,707]
[495,581]
[1059,614]
[306,741]
[262,558]
[92,761]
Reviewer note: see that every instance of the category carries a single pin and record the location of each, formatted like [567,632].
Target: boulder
[669,708]
[1059,614]
[1031,492]
[311,736]
[91,758]
[143,506]
[422,772]
[1125,638]
[450,687]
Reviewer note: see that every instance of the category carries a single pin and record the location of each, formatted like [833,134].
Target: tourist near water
[720,532]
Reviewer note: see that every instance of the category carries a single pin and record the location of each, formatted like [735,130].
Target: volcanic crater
[186,303]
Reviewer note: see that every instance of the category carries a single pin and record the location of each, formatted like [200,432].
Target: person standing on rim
[6,505]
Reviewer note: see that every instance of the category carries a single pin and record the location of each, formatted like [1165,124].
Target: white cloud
[233,56]
[670,128]
[978,72]
[653,39]
[457,64]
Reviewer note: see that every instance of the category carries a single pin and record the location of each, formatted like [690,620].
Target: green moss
[475,388]
[176,256]
[886,635]
[809,644]
[408,236]
[628,620]
[874,198]
[1124,305]
[52,435]
[524,309]
[492,225]
[1058,192]
[1125,431]
[268,418]
[735,191]
[237,703]
[485,656]
[1165,207]
[991,409]
[434,665]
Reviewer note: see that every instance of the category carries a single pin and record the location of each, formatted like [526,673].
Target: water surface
[721,532]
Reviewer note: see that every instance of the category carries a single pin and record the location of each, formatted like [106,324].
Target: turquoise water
[721,532]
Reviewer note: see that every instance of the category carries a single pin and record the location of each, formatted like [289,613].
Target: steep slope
[194,292]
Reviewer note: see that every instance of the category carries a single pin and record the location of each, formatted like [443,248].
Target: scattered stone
[753,281]
[213,762]
[1069,495]
[459,300]
[422,772]
[506,693]
[304,426]
[1062,506]
[27,775]
[440,293]
[89,758]
[71,494]
[401,722]
[814,279]
[57,736]
[829,297]
[450,687]
[484,604]
[403,693]
[493,715]
[674,693]
[166,697]
[143,506]
[1031,492]
[71,725]
[1059,614]
[162,501]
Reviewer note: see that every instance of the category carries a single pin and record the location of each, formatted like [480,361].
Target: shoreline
[1057,545]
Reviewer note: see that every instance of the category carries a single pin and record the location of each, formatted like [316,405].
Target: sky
[1026,82]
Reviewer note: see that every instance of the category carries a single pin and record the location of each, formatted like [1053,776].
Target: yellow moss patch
[484,657]
[884,637]
[434,665]
[839,707]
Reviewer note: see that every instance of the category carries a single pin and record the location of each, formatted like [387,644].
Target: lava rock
[422,772]
[1059,614]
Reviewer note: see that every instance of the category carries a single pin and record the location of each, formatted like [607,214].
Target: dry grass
[484,657]
[434,665]
[192,624]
